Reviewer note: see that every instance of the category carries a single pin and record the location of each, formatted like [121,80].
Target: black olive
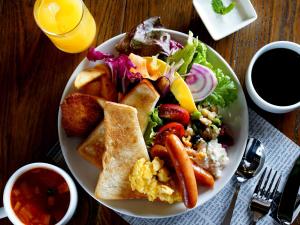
[195,139]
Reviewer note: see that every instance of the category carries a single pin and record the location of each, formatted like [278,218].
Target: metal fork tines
[264,193]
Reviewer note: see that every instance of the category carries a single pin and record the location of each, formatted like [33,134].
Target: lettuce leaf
[185,53]
[154,121]
[225,92]
[200,56]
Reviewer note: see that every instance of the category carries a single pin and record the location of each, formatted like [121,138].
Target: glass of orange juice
[68,23]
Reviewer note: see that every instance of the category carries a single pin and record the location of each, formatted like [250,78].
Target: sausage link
[203,177]
[184,170]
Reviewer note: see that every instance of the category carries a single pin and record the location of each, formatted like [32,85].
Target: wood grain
[33,73]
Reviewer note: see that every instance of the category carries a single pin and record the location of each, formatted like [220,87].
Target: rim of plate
[216,189]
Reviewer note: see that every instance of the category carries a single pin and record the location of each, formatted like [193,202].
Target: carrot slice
[17,206]
[63,188]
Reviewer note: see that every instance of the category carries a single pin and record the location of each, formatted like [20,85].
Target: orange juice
[68,23]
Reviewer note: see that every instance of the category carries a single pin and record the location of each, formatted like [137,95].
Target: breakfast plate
[235,116]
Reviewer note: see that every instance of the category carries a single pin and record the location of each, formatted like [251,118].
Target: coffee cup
[253,93]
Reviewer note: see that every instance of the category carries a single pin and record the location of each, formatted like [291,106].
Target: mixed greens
[195,52]
[177,93]
[188,80]
[147,39]
[154,121]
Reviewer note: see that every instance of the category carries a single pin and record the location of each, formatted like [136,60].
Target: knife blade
[289,195]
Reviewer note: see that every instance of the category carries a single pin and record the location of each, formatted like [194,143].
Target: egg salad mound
[153,180]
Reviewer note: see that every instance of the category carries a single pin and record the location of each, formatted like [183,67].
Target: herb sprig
[219,7]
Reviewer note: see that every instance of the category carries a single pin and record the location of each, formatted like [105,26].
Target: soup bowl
[8,211]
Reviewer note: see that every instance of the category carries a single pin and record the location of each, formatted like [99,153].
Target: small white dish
[220,26]
[249,85]
[7,210]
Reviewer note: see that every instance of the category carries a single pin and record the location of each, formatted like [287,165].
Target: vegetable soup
[40,196]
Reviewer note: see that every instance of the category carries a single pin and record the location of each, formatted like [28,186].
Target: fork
[263,196]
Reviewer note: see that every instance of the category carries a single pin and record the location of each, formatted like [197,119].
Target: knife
[289,195]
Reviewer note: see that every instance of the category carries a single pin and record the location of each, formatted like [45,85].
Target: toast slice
[143,97]
[124,144]
[93,147]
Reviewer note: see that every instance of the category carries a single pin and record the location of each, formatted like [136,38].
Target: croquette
[81,113]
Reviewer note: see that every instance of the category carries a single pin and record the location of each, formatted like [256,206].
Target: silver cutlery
[251,164]
[263,195]
[289,196]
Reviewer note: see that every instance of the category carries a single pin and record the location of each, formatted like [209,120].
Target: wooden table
[33,73]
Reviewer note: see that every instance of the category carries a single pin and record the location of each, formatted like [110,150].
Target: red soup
[40,196]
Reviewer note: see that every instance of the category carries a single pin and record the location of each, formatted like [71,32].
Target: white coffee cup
[249,85]
[7,210]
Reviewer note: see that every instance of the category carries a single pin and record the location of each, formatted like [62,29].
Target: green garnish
[154,121]
[196,115]
[219,7]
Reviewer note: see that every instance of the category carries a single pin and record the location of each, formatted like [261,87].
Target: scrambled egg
[151,178]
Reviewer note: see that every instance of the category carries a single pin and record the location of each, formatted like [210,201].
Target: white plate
[220,26]
[87,175]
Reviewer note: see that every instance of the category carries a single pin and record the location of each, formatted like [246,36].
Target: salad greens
[185,53]
[225,92]
[147,38]
[195,52]
[219,7]
[154,121]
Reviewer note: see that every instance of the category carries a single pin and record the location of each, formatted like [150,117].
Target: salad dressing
[275,76]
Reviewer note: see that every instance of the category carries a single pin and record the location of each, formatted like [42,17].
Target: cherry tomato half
[175,113]
[169,128]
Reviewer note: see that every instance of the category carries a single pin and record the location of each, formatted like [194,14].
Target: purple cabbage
[174,46]
[94,55]
[120,69]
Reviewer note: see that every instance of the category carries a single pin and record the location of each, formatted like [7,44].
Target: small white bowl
[220,26]
[249,85]
[7,210]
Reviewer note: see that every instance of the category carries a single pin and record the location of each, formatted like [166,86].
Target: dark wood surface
[33,73]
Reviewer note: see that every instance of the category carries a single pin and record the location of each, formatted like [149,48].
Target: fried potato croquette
[80,114]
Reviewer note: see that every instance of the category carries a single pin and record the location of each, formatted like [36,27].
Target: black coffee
[276,76]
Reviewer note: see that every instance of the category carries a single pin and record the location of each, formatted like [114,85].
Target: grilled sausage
[203,177]
[184,170]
